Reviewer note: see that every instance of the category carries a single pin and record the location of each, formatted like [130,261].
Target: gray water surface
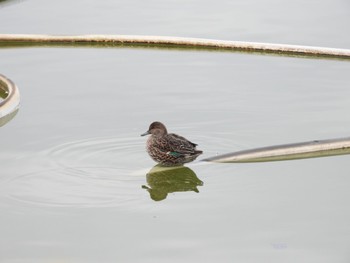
[76,184]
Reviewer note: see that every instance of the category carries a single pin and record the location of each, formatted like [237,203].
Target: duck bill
[146,133]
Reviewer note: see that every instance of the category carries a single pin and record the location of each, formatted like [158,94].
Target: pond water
[76,182]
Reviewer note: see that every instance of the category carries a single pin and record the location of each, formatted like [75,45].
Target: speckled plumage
[169,149]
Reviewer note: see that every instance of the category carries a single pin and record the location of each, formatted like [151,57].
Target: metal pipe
[280,49]
[283,152]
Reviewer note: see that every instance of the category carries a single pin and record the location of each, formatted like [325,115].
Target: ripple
[110,151]
[85,173]
[93,172]
[77,187]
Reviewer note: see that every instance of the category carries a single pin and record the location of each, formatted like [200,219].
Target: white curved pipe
[10,105]
[284,152]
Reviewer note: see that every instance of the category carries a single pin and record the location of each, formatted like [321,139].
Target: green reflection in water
[164,180]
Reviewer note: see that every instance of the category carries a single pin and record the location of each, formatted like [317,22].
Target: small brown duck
[169,149]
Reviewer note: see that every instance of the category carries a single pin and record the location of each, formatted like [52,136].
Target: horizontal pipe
[179,42]
[283,152]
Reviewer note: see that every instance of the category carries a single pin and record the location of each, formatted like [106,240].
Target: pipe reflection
[164,180]
[7,118]
[8,2]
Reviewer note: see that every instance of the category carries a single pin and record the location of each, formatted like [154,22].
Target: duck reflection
[164,180]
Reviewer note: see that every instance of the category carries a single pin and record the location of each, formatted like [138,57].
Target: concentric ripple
[85,173]
[110,151]
[93,172]
[78,187]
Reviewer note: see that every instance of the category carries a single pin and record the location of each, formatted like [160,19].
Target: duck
[169,149]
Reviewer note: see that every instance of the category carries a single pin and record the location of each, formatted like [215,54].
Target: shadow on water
[164,180]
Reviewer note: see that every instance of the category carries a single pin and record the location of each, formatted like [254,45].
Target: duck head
[157,129]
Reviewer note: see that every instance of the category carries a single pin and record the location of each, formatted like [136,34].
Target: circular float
[9,100]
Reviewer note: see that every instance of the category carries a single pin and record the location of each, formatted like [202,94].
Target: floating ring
[11,100]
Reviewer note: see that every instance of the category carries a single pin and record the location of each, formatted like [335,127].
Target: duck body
[169,149]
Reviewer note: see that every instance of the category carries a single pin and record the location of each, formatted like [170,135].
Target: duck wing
[180,144]
[182,139]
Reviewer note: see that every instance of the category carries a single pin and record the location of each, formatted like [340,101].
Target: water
[75,182]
